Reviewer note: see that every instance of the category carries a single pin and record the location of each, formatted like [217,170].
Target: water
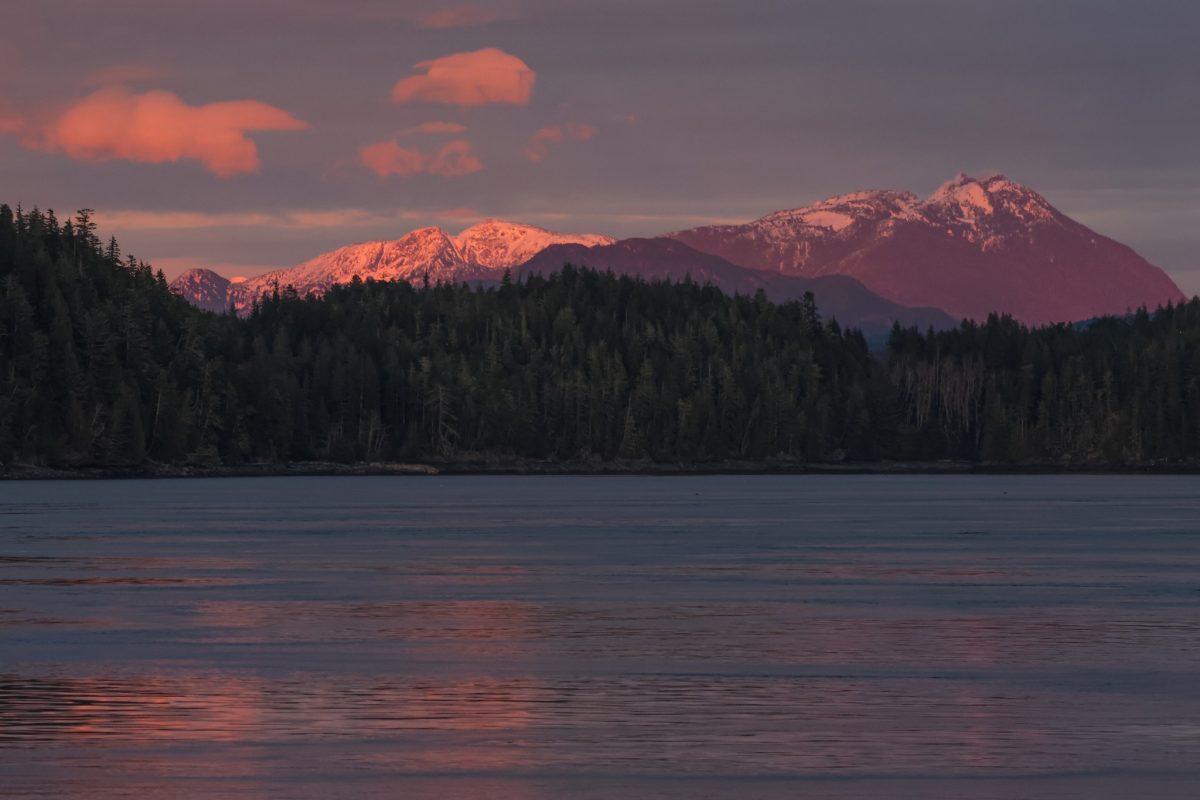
[706,637]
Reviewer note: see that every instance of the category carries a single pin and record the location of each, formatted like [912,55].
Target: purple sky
[652,115]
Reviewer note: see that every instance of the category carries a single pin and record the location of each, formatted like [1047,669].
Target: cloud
[550,135]
[157,127]
[455,158]
[478,78]
[434,128]
[460,17]
[390,158]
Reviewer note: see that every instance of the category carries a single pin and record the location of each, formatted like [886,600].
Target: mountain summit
[502,245]
[972,247]
[203,288]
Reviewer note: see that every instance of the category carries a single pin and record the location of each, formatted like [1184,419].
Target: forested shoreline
[103,368]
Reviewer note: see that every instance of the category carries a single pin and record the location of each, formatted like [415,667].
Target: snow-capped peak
[498,245]
[203,288]
[976,245]
[198,275]
[971,201]
[963,191]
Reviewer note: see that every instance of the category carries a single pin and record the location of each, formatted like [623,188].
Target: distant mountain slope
[973,247]
[837,296]
[203,288]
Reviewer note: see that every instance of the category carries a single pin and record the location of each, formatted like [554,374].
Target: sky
[242,135]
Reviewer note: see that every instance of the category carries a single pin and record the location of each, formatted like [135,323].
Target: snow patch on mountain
[499,245]
[986,207]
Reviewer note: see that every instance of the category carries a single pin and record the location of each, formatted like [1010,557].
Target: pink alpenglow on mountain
[504,245]
[481,252]
[971,248]
[203,288]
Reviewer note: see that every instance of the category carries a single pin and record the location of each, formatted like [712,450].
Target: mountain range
[973,247]
[480,253]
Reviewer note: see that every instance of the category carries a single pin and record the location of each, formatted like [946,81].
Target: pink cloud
[455,158]
[450,160]
[460,17]
[478,78]
[542,140]
[434,128]
[389,158]
[157,127]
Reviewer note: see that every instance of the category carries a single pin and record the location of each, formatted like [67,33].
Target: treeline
[1113,391]
[101,365]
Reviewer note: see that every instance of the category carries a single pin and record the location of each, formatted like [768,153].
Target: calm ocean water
[699,637]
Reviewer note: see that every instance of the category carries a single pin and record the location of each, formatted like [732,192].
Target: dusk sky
[243,136]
